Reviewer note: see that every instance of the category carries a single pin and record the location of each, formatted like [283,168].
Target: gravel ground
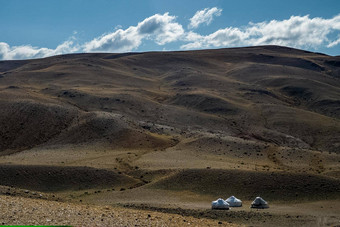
[25,211]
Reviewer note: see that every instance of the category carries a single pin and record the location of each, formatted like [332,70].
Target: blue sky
[40,28]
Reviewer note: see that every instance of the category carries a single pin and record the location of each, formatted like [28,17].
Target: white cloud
[297,31]
[334,43]
[27,51]
[160,28]
[204,16]
[118,41]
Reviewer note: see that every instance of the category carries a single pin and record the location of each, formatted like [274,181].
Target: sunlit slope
[271,94]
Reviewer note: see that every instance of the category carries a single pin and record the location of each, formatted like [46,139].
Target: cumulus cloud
[27,51]
[297,31]
[204,16]
[160,28]
[119,41]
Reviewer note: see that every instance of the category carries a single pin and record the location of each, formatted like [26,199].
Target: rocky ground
[25,211]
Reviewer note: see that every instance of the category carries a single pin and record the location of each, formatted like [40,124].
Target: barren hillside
[173,123]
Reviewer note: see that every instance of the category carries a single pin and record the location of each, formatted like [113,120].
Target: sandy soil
[24,211]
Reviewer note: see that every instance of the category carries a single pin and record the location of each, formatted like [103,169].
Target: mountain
[159,120]
[272,94]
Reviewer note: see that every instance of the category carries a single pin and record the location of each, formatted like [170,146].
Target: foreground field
[22,211]
[28,211]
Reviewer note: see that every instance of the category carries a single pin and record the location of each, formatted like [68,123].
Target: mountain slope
[273,94]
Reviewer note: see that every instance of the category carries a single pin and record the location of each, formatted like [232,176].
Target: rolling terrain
[171,131]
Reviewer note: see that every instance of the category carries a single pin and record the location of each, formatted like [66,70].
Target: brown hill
[269,93]
[173,123]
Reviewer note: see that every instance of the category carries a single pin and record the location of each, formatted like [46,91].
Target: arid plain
[165,133]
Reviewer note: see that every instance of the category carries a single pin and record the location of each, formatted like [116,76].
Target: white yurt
[259,203]
[234,202]
[219,204]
